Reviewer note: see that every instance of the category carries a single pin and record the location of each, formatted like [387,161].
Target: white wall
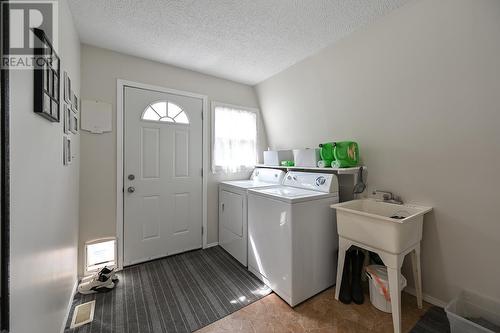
[100,70]
[44,201]
[420,91]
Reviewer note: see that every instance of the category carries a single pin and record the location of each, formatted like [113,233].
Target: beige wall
[44,200]
[101,68]
[420,91]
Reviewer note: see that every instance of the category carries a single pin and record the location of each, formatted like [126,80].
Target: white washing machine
[233,230]
[292,235]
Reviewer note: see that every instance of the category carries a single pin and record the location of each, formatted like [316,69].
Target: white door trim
[120,84]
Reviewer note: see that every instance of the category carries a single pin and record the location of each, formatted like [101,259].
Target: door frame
[120,85]
[5,173]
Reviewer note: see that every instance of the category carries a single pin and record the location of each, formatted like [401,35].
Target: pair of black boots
[350,288]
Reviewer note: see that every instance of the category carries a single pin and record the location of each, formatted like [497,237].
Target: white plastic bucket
[377,284]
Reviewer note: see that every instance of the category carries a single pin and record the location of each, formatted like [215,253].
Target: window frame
[214,104]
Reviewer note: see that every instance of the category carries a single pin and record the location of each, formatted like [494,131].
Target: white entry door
[162,174]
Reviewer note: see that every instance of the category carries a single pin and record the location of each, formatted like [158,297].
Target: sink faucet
[389,197]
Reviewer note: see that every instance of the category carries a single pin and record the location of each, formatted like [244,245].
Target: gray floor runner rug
[181,293]
[433,321]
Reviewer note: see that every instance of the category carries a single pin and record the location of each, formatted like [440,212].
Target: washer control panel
[322,182]
[273,176]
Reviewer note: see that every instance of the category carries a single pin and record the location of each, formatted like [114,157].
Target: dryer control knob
[320,181]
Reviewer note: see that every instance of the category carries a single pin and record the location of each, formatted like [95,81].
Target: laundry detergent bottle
[346,154]
[326,153]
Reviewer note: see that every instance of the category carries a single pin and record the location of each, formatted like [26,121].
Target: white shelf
[339,171]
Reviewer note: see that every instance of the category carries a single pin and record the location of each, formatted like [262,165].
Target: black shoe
[357,265]
[107,273]
[345,287]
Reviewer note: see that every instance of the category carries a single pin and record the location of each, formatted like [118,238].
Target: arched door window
[165,112]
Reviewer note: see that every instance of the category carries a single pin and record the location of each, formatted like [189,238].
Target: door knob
[131,189]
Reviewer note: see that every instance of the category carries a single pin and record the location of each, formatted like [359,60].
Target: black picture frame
[46,78]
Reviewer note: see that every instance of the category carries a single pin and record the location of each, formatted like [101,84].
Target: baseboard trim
[70,303]
[426,297]
[211,245]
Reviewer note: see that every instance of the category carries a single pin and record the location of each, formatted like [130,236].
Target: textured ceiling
[245,41]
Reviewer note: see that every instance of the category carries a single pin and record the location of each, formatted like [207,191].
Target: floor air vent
[84,314]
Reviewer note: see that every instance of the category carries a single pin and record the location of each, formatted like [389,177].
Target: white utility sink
[386,226]
[390,230]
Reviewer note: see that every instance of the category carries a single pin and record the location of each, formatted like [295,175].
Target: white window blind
[234,139]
